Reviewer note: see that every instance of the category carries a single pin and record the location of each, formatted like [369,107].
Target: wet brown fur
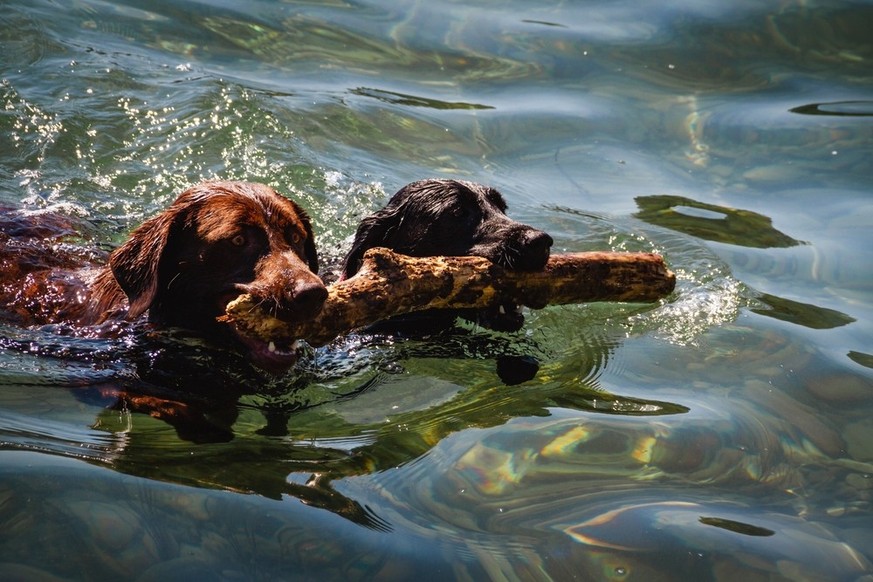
[218,239]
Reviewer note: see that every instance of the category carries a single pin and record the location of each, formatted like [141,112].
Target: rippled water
[724,433]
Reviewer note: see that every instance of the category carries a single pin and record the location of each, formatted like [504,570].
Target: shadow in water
[861,358]
[712,222]
[742,228]
[413,100]
[632,529]
[804,314]
[168,391]
[837,109]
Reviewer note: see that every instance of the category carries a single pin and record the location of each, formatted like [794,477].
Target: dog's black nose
[534,248]
[539,242]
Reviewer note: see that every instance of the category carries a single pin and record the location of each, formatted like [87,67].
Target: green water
[722,434]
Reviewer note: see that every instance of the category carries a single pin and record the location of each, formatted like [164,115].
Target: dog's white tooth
[294,345]
[271,346]
[501,310]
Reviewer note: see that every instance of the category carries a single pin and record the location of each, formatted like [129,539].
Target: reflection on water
[839,108]
[723,433]
[722,533]
[711,222]
[413,101]
[802,313]
[861,358]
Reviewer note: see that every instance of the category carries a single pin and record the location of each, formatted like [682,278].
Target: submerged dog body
[216,241]
[452,217]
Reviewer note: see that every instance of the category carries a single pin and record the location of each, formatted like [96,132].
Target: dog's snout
[307,296]
[538,241]
[285,282]
[534,249]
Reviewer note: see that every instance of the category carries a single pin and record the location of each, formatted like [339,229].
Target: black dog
[452,217]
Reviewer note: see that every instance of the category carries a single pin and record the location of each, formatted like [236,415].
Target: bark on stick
[391,284]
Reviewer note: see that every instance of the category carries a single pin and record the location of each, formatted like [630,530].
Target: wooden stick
[392,284]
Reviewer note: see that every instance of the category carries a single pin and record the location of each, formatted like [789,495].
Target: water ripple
[837,109]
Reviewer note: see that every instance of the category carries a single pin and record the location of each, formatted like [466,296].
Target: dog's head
[452,217]
[216,241]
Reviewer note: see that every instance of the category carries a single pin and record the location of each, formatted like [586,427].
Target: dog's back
[44,277]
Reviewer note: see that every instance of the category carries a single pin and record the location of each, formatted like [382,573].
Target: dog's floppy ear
[135,263]
[309,244]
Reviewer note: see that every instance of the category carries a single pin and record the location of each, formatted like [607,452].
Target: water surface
[723,433]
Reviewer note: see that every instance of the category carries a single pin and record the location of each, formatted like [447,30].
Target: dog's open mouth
[271,356]
[274,355]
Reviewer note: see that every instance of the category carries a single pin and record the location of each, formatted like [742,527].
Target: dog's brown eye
[295,238]
[238,241]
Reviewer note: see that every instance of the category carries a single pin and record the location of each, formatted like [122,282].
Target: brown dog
[217,240]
